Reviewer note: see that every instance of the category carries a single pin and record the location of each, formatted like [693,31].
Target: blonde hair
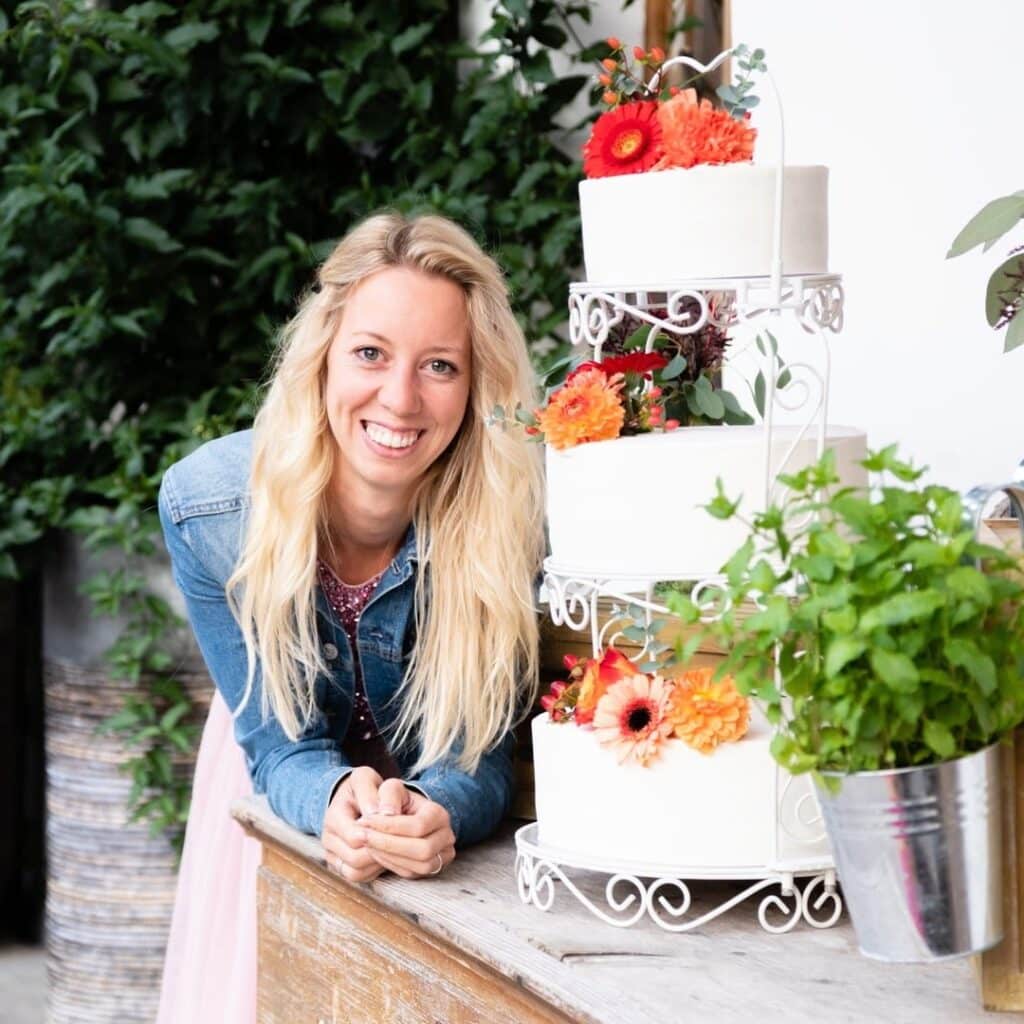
[477,513]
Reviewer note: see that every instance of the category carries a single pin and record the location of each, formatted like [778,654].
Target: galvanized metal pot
[918,851]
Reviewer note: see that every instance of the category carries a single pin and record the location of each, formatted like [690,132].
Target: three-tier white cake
[631,508]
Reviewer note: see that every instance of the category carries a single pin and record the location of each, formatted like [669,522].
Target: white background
[915,107]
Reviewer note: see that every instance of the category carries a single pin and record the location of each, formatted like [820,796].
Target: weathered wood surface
[332,953]
[730,970]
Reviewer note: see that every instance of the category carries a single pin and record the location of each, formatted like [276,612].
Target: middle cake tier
[633,507]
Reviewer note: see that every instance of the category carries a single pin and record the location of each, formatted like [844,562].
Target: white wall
[916,108]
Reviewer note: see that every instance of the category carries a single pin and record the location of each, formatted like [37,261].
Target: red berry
[639,53]
[671,424]
[613,42]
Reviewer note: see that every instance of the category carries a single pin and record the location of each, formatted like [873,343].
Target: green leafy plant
[170,174]
[1004,296]
[878,642]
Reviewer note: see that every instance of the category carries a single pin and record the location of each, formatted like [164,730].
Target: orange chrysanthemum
[587,408]
[624,141]
[705,712]
[630,718]
[695,132]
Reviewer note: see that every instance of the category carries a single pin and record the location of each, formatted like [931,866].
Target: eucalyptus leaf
[989,224]
[759,393]
[1007,278]
[673,368]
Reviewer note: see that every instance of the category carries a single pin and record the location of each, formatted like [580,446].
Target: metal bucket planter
[918,854]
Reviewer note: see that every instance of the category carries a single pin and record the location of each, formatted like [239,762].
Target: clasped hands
[374,825]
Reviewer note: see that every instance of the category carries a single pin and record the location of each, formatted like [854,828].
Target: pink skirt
[210,966]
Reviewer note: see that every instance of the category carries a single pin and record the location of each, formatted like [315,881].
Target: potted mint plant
[891,665]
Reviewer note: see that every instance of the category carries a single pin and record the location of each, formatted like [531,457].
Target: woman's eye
[368,352]
[442,366]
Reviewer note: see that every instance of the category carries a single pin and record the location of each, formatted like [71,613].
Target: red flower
[624,141]
[631,362]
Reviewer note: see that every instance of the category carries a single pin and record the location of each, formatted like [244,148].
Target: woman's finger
[425,818]
[337,851]
[364,784]
[406,868]
[413,848]
[393,797]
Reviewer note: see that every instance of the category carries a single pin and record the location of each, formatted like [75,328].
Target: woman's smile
[391,442]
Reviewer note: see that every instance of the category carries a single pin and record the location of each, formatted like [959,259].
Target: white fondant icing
[699,222]
[632,506]
[687,809]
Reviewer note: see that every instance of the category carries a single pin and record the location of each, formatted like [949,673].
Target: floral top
[363,744]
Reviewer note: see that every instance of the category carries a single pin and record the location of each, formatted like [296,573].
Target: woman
[358,571]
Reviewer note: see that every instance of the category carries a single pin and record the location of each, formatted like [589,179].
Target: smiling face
[398,373]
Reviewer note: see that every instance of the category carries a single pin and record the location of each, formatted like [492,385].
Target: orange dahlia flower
[630,718]
[587,408]
[597,677]
[624,140]
[704,712]
[695,132]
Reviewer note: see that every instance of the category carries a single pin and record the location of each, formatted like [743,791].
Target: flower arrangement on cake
[633,713]
[660,127]
[639,386]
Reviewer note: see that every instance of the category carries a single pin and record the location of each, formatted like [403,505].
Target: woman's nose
[400,392]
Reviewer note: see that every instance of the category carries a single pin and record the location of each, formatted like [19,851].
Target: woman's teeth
[391,438]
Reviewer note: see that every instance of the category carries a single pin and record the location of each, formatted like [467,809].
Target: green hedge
[169,176]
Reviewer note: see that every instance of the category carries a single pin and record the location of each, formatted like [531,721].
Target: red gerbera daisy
[624,141]
[631,362]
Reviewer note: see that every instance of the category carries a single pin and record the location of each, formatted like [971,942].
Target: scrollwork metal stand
[634,892]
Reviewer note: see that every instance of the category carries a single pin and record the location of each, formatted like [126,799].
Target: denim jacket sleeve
[298,777]
[475,803]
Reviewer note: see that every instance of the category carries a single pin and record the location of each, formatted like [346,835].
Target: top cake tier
[702,222]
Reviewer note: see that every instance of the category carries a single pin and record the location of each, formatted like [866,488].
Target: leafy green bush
[169,176]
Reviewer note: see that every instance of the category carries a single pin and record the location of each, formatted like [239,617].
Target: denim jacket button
[330,652]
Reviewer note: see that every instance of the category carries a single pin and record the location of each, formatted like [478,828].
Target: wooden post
[657,19]
[1001,970]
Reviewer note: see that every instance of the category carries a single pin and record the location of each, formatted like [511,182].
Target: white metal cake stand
[635,891]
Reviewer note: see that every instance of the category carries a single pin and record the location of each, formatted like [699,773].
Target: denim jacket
[204,502]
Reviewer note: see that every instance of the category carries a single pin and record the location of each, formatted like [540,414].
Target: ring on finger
[440,864]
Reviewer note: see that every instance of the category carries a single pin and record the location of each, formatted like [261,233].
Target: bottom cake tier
[733,810]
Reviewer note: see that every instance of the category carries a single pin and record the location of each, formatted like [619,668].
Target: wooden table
[462,949]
